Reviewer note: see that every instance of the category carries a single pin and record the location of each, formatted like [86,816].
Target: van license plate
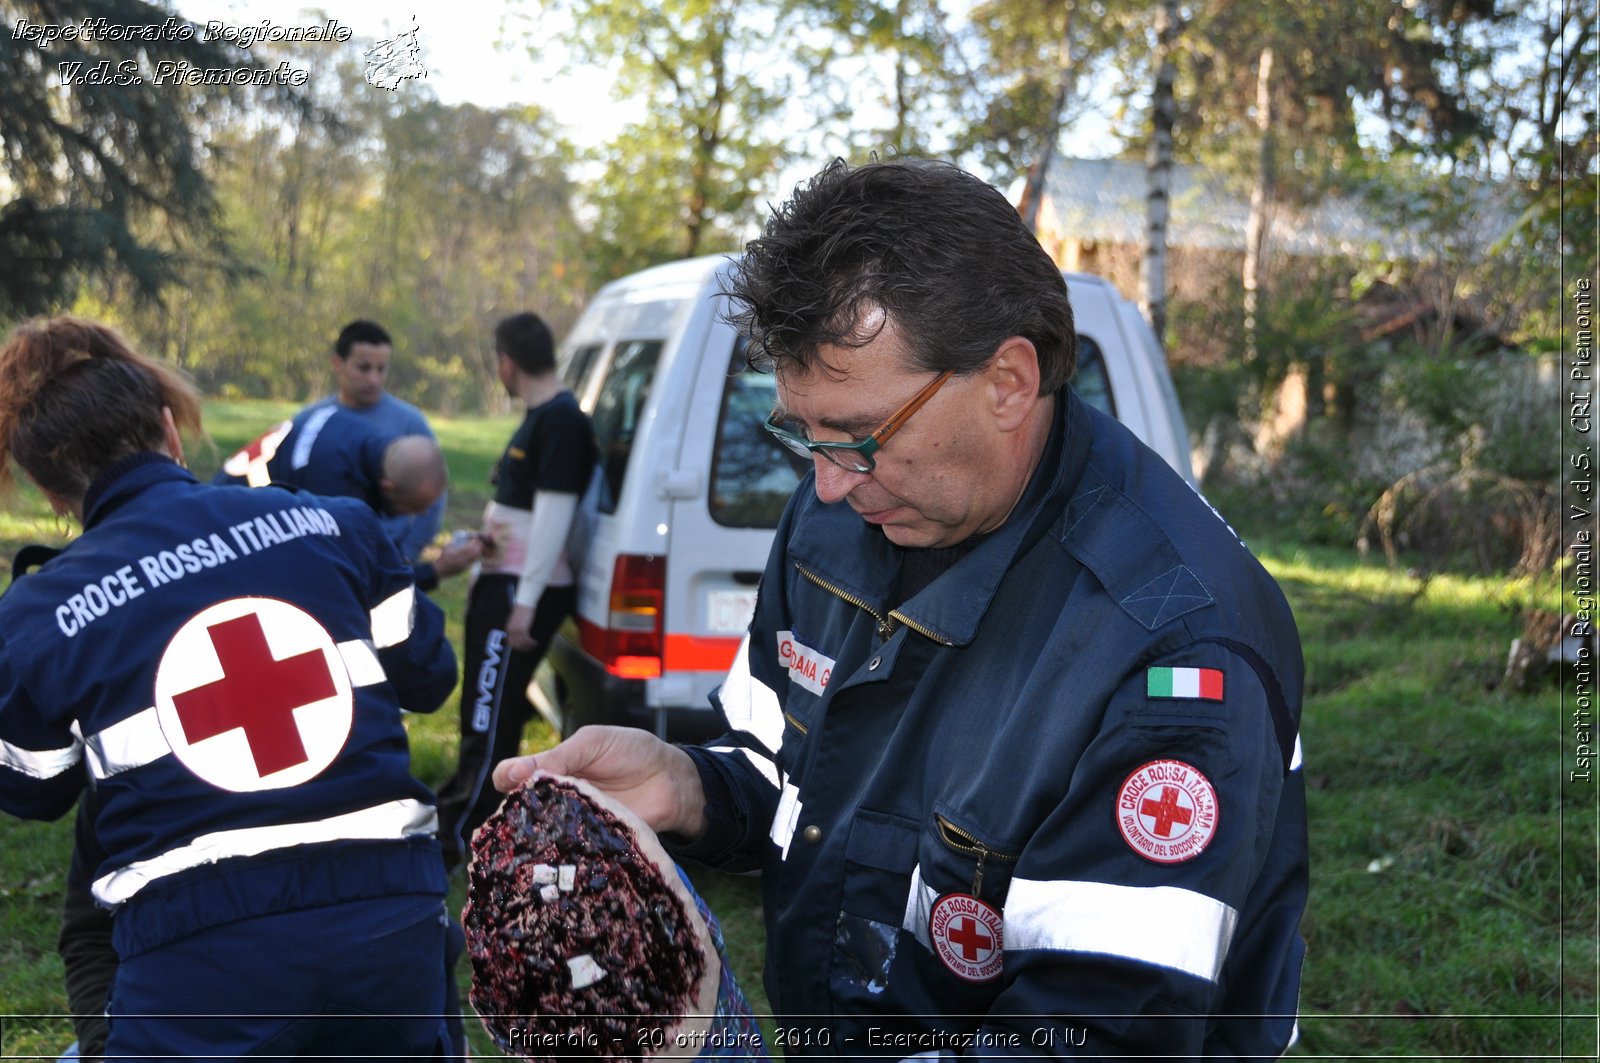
[729,612]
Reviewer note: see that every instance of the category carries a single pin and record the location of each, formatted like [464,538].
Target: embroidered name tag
[806,666]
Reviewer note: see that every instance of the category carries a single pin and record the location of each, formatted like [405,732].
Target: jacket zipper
[886,624]
[965,843]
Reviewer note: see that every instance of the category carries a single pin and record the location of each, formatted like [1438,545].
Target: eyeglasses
[855,457]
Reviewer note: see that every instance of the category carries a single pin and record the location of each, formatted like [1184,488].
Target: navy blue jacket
[1051,805]
[228,669]
[326,450]
[330,450]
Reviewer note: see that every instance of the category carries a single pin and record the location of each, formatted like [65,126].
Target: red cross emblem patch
[1167,811]
[251,462]
[967,937]
[253,694]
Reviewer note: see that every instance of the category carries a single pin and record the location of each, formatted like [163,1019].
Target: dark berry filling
[577,945]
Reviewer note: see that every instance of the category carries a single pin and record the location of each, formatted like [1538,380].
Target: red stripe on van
[685,653]
[697,653]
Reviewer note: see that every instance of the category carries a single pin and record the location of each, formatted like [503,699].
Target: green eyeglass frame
[858,457]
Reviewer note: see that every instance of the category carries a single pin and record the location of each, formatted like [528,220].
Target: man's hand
[517,629]
[657,780]
[457,554]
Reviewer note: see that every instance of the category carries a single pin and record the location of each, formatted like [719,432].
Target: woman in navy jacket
[226,669]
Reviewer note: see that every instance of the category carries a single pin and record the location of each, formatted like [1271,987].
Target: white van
[697,486]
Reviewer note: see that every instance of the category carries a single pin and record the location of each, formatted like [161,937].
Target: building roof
[1104,199]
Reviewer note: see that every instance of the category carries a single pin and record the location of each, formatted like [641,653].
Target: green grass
[1452,908]
[1453,880]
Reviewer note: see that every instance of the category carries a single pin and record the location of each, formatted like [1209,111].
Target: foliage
[912,38]
[1398,65]
[1030,65]
[107,177]
[434,220]
[680,182]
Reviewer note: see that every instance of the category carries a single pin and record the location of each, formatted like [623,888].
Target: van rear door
[726,502]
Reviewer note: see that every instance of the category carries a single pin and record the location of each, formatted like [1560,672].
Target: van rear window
[1090,380]
[619,406]
[752,475]
[576,372]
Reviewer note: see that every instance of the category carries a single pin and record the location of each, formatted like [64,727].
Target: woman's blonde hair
[76,397]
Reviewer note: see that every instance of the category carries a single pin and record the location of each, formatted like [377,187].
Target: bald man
[328,450]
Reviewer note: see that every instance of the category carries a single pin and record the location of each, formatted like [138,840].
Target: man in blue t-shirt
[360,364]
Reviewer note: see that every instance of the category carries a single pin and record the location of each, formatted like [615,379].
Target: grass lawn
[1452,908]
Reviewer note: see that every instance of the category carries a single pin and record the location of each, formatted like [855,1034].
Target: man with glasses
[1013,739]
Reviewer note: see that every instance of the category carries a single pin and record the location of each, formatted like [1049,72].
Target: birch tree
[1159,160]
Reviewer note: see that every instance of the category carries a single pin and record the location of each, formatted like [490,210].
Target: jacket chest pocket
[879,857]
[954,909]
[955,858]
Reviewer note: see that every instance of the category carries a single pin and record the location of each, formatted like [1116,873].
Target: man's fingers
[510,774]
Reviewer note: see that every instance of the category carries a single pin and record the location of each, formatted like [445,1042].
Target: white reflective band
[1160,925]
[39,763]
[391,821]
[1296,759]
[361,661]
[139,740]
[308,435]
[788,814]
[764,765]
[750,704]
[128,744]
[919,908]
[391,618]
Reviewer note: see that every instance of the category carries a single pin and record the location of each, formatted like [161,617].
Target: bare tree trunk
[1158,174]
[708,138]
[1255,231]
[1033,190]
[902,101]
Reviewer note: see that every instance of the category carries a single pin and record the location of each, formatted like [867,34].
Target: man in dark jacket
[1013,738]
[330,450]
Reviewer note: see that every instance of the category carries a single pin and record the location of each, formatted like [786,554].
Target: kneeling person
[328,450]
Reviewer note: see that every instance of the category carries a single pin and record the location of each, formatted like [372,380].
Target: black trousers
[494,702]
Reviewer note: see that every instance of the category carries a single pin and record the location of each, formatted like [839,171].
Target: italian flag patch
[1202,683]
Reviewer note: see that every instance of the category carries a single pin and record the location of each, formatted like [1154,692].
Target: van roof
[685,276]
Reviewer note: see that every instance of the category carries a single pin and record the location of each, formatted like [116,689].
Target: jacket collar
[833,543]
[125,478]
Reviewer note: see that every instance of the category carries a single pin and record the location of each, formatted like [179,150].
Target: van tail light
[631,644]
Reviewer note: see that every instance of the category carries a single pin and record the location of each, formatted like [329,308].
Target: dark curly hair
[941,252]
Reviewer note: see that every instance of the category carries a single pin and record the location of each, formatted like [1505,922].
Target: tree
[1270,100]
[1158,169]
[1030,59]
[434,220]
[682,180]
[107,174]
[481,226]
[849,44]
